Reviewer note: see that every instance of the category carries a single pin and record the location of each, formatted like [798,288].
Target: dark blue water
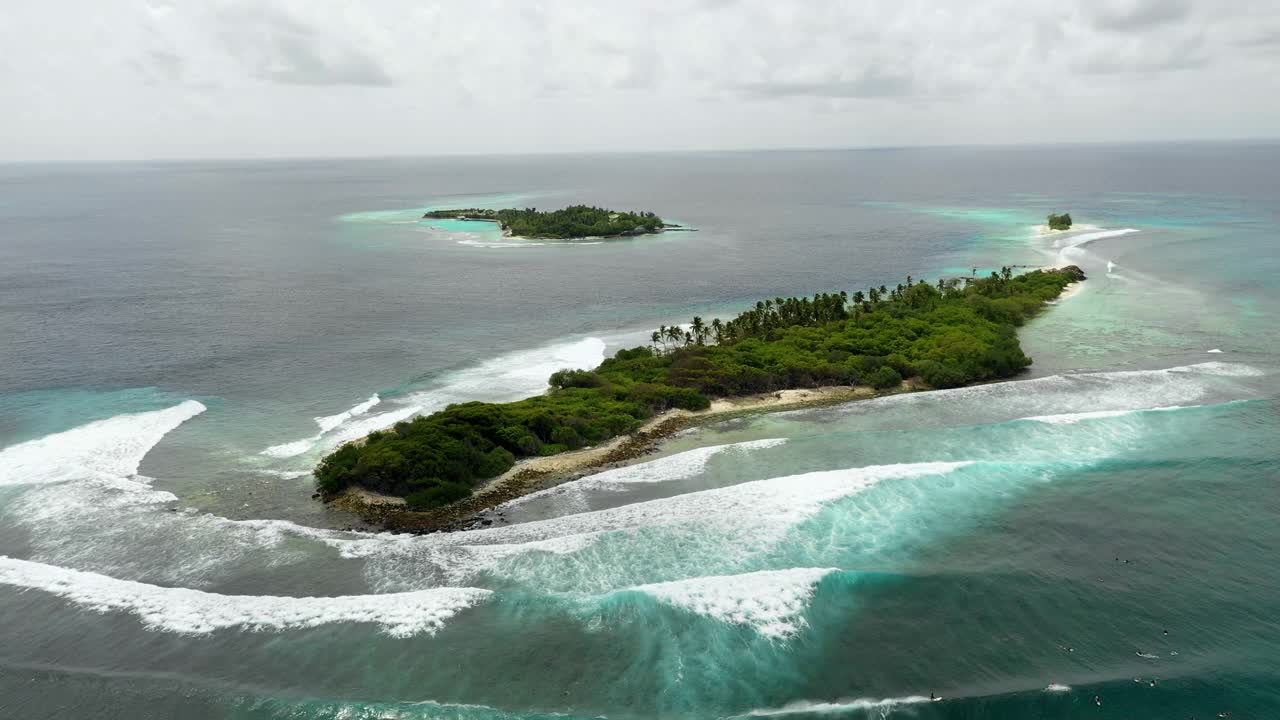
[180,342]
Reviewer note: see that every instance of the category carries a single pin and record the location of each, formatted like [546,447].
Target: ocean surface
[180,342]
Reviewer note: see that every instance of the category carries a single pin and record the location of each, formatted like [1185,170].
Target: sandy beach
[532,474]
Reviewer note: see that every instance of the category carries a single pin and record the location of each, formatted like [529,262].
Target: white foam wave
[1056,687]
[1088,237]
[1085,392]
[806,707]
[288,474]
[1073,418]
[1224,369]
[330,422]
[679,466]
[742,520]
[291,449]
[1071,248]
[1215,350]
[507,377]
[491,244]
[769,601]
[194,612]
[105,449]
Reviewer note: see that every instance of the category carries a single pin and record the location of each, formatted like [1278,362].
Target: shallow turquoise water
[166,394]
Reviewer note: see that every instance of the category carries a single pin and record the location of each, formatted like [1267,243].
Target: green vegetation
[1060,222]
[576,221]
[951,334]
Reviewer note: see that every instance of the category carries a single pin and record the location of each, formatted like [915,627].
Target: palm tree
[699,329]
[717,329]
[675,334]
[654,338]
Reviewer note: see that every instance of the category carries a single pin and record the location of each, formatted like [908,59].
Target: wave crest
[194,612]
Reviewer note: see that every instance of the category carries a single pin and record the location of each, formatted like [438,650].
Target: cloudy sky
[140,79]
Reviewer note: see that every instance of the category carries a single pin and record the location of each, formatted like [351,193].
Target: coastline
[539,473]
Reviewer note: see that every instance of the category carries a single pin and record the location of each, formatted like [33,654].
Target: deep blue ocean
[180,342]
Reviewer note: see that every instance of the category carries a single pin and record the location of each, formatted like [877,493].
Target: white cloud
[150,78]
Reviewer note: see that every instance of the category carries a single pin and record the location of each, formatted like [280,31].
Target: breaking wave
[805,707]
[508,377]
[739,521]
[571,496]
[769,601]
[193,612]
[105,449]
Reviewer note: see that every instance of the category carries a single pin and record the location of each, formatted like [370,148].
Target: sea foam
[806,707]
[1073,418]
[769,601]
[1075,394]
[111,448]
[508,377]
[1071,248]
[679,466]
[739,522]
[193,612]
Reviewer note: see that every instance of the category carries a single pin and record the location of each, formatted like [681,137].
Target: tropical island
[914,336]
[1060,222]
[571,223]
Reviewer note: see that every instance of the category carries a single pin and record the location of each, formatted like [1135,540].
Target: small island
[575,222]
[1060,222]
[914,336]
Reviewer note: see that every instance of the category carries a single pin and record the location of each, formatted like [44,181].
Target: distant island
[572,223]
[1060,222]
[957,332]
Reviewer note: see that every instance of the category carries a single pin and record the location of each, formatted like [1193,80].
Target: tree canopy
[575,221]
[1060,222]
[946,335]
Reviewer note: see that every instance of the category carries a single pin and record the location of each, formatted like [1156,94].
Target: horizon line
[1263,140]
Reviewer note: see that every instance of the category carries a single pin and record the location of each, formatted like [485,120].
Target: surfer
[1097,700]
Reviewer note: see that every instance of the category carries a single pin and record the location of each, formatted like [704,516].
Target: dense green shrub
[885,377]
[569,377]
[1060,222]
[436,495]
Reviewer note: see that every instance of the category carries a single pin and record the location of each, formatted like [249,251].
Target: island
[575,222]
[913,336]
[1060,222]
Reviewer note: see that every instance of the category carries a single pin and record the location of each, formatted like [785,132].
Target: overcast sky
[141,79]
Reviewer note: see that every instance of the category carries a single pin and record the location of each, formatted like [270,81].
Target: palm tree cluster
[766,316]
[770,315]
